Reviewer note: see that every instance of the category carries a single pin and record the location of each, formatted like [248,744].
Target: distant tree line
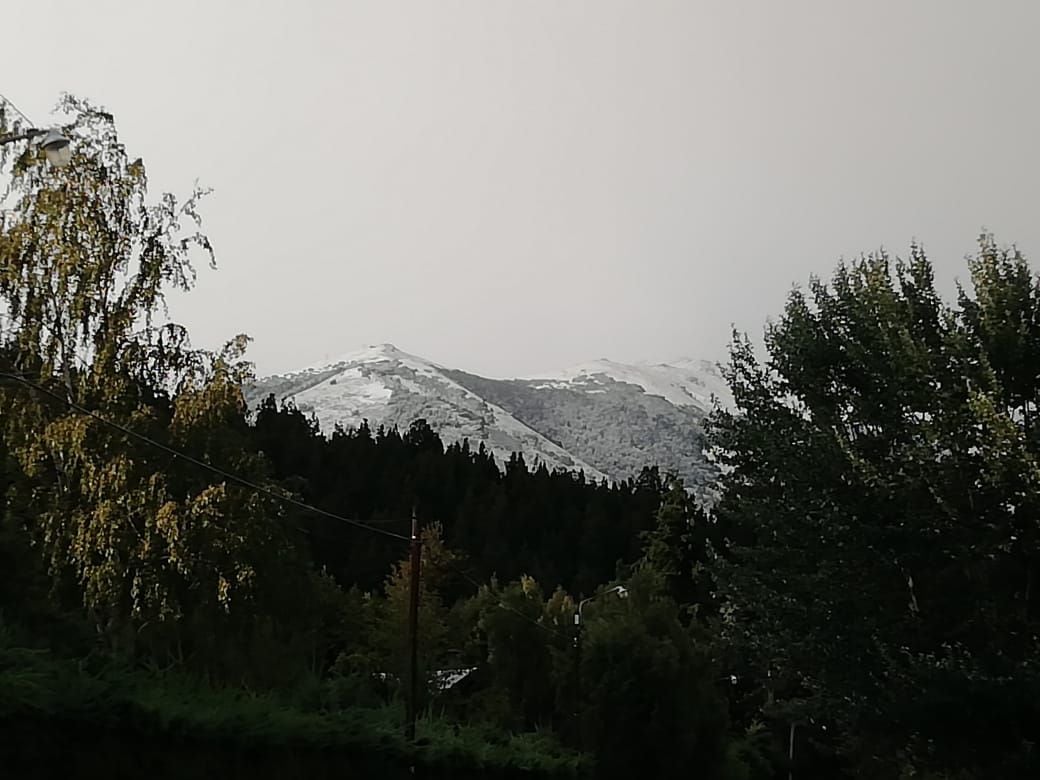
[507,520]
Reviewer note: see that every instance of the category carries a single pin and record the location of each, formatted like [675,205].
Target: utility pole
[413,632]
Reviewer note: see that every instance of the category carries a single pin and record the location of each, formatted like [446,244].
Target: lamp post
[579,624]
[621,590]
[412,705]
[53,142]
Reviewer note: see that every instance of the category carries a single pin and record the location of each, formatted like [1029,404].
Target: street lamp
[53,142]
[622,593]
[621,590]
[57,148]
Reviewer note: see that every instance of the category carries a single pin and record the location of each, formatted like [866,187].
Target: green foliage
[163,555]
[651,700]
[34,684]
[521,640]
[881,500]
[679,546]
[390,630]
[749,755]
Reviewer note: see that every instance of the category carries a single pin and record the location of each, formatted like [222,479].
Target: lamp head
[57,148]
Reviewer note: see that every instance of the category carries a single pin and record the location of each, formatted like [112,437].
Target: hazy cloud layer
[509,187]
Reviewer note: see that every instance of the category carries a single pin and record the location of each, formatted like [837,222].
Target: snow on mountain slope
[618,417]
[683,383]
[603,417]
[386,386]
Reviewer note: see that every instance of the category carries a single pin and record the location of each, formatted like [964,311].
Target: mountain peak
[384,385]
[603,417]
[374,353]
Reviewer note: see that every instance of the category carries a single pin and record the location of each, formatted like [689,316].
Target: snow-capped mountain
[389,387]
[608,419]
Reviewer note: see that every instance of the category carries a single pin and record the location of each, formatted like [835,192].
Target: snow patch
[381,382]
[685,383]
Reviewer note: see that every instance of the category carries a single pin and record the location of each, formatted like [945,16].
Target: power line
[202,464]
[258,488]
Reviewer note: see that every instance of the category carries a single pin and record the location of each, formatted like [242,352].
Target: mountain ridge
[605,418]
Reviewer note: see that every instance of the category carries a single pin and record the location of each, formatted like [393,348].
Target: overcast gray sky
[510,187]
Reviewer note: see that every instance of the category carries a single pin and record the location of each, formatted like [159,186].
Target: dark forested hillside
[556,527]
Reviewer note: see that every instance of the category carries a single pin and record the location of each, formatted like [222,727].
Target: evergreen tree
[678,547]
[517,638]
[651,704]
[391,635]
